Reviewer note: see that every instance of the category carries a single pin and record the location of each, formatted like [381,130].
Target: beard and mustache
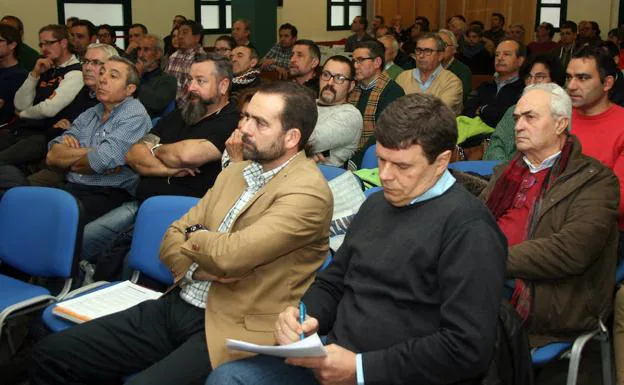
[196,108]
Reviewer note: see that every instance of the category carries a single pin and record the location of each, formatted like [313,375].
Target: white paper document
[311,346]
[104,302]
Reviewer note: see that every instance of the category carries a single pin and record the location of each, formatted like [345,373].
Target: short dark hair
[521,51]
[344,60]
[549,27]
[110,30]
[292,28]
[11,35]
[139,25]
[196,28]
[500,16]
[595,27]
[375,50]
[253,53]
[133,73]
[552,63]
[381,18]
[17,20]
[569,25]
[604,62]
[223,66]
[299,109]
[59,31]
[72,20]
[477,22]
[424,22]
[475,29]
[314,49]
[91,29]
[363,21]
[180,16]
[418,119]
[228,39]
[460,17]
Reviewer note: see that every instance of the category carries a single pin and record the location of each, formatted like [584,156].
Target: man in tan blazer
[430,77]
[248,250]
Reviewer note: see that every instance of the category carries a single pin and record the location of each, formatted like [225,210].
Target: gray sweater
[338,129]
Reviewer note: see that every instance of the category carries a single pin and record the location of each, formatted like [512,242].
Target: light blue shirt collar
[502,83]
[444,183]
[547,163]
[424,86]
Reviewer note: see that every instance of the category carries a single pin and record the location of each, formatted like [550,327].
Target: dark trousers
[21,150]
[163,341]
[95,201]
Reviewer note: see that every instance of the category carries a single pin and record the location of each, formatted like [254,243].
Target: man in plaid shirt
[189,38]
[278,57]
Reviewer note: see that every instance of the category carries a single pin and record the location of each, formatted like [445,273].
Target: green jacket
[503,141]
[393,71]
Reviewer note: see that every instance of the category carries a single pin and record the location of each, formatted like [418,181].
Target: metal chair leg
[575,356]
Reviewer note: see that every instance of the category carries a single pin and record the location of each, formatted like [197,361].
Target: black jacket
[490,104]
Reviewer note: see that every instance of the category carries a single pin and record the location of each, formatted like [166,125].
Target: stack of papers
[311,346]
[103,302]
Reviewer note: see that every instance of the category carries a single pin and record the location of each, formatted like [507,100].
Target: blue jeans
[100,234]
[261,370]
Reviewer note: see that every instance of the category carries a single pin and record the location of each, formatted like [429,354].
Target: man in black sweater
[494,97]
[413,294]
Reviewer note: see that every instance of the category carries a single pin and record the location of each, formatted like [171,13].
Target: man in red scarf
[558,209]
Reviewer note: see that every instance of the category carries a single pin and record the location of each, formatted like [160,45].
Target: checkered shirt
[195,292]
[280,55]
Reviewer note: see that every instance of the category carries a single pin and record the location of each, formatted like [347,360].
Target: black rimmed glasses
[47,43]
[425,51]
[338,78]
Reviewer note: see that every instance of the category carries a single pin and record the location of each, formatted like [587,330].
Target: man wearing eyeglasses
[337,132]
[27,146]
[558,209]
[374,90]
[429,76]
[157,88]
[56,79]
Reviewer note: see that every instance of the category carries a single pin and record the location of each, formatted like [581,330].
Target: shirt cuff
[191,270]
[359,369]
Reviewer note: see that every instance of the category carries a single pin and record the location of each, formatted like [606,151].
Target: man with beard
[339,126]
[179,156]
[245,252]
[304,62]
[157,88]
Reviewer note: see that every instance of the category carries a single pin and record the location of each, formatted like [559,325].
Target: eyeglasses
[521,197]
[360,60]
[47,43]
[425,51]
[538,77]
[338,78]
[222,49]
[94,62]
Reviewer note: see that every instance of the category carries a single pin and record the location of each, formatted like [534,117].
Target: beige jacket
[276,244]
[446,86]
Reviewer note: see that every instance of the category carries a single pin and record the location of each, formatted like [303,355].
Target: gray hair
[108,50]
[158,43]
[133,74]
[393,42]
[223,66]
[560,102]
[440,44]
[450,35]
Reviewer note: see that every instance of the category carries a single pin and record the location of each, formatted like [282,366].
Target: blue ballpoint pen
[302,314]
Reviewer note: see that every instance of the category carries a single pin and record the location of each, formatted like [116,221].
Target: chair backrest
[330,172]
[38,230]
[369,160]
[372,190]
[154,217]
[481,167]
[170,107]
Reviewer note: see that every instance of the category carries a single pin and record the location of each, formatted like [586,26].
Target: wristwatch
[191,229]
